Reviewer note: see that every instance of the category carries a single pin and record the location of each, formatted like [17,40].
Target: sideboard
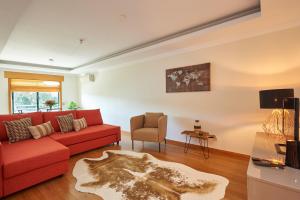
[271,183]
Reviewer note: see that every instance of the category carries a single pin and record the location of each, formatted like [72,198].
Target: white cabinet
[265,183]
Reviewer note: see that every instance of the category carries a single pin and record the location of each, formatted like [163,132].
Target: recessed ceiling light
[51,59]
[123,17]
[82,40]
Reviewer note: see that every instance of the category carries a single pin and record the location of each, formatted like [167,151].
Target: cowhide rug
[128,175]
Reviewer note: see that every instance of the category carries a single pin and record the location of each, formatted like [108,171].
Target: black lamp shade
[272,99]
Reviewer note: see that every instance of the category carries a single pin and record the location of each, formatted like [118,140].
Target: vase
[197,127]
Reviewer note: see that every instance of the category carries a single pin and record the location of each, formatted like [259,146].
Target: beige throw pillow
[41,130]
[151,119]
[65,123]
[79,124]
[17,130]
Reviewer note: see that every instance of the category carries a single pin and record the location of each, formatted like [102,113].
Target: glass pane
[45,96]
[24,102]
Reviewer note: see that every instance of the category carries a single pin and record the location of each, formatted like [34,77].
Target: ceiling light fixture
[82,40]
[123,17]
[51,59]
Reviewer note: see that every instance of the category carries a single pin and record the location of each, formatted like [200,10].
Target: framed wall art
[188,79]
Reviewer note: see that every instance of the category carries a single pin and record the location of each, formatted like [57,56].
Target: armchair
[150,127]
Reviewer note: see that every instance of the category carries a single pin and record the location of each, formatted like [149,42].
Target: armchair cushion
[151,119]
[145,134]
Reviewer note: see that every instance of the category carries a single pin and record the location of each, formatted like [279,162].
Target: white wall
[69,91]
[230,110]
[3,94]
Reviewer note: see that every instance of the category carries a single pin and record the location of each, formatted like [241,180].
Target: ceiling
[45,34]
[119,33]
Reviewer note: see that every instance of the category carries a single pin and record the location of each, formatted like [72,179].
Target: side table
[202,136]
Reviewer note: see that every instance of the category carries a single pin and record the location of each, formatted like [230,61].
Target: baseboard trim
[212,150]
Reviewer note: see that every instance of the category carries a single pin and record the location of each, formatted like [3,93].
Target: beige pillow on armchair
[151,119]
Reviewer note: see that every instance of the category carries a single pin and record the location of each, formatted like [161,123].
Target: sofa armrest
[136,122]
[162,127]
[1,172]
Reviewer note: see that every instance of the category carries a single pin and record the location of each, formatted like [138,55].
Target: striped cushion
[79,124]
[65,123]
[41,130]
[17,130]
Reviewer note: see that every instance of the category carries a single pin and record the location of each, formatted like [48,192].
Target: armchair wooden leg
[159,146]
[132,144]
[165,141]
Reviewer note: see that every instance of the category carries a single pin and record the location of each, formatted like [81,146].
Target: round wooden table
[202,136]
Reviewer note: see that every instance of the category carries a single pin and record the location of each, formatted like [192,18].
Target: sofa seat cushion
[27,155]
[89,133]
[145,134]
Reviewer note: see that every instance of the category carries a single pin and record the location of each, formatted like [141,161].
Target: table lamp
[284,99]
[277,99]
[292,156]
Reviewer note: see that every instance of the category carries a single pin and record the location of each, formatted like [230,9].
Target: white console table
[266,183]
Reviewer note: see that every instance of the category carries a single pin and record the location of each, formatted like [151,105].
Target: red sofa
[28,162]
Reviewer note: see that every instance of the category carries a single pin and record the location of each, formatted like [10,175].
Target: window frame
[30,76]
[38,106]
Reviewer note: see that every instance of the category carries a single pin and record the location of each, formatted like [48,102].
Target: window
[24,102]
[29,92]
[44,96]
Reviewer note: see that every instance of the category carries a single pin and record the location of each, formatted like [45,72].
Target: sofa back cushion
[52,117]
[36,119]
[92,117]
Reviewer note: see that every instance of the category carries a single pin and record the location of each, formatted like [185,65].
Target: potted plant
[50,103]
[72,105]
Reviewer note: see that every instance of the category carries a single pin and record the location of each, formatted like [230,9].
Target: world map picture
[188,79]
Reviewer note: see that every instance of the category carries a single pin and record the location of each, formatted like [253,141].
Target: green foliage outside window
[33,101]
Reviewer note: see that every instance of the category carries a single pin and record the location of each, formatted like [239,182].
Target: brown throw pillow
[65,123]
[79,124]
[151,119]
[17,130]
[41,130]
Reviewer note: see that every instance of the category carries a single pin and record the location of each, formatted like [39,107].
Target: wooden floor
[232,167]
